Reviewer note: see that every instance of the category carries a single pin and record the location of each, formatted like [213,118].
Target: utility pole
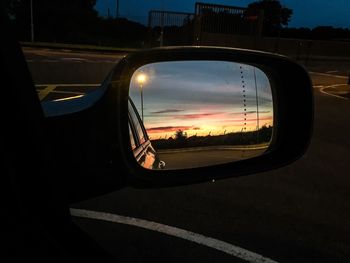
[162,26]
[117,10]
[31,22]
[257,108]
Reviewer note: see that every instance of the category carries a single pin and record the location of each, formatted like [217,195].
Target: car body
[53,162]
[141,145]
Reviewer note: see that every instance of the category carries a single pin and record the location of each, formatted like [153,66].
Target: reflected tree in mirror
[200,113]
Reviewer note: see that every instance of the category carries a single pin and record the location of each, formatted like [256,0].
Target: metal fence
[223,19]
[170,28]
[178,28]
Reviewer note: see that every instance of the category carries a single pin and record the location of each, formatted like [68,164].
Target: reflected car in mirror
[141,145]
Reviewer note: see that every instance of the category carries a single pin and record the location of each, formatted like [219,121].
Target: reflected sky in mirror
[201,98]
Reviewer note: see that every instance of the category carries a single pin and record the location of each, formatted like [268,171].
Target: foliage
[275,15]
[263,135]
[180,135]
[71,21]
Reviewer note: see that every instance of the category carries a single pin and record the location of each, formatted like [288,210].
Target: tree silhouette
[180,135]
[54,20]
[72,21]
[275,15]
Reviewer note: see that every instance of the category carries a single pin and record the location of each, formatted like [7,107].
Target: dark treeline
[72,21]
[238,138]
[77,21]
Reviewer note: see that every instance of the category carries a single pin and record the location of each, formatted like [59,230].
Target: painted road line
[222,246]
[329,75]
[68,85]
[67,92]
[50,88]
[322,90]
[44,92]
[332,71]
[70,98]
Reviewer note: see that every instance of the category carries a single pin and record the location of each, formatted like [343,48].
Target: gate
[227,20]
[170,28]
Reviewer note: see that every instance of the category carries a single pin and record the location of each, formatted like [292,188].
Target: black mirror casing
[92,148]
[293,114]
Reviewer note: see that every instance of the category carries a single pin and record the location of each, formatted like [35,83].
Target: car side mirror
[175,116]
[195,114]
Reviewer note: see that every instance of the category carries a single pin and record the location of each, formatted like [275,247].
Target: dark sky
[307,13]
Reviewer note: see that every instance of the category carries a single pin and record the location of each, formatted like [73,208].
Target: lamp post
[117,10]
[141,79]
[31,22]
[161,42]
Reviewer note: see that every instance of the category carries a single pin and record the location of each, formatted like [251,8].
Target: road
[68,67]
[299,213]
[204,156]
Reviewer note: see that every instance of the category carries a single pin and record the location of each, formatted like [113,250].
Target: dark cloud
[248,112]
[241,120]
[168,128]
[197,115]
[166,111]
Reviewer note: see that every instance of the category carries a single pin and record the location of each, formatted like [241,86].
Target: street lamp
[141,79]
[117,10]
[31,22]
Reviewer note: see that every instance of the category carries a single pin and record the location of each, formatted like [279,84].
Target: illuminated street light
[141,79]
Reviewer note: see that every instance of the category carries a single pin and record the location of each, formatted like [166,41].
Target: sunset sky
[201,97]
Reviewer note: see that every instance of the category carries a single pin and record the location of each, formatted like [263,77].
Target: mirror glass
[187,114]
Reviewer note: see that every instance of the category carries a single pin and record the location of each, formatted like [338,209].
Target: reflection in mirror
[187,114]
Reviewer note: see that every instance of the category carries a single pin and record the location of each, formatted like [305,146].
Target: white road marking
[329,75]
[332,71]
[335,85]
[44,92]
[67,92]
[176,232]
[68,85]
[70,98]
[50,88]
[322,90]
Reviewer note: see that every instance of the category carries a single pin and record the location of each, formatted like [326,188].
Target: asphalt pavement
[299,213]
[201,157]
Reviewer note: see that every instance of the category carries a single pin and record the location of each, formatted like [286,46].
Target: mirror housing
[93,147]
[293,111]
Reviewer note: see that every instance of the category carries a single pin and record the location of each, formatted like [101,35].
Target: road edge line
[176,232]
